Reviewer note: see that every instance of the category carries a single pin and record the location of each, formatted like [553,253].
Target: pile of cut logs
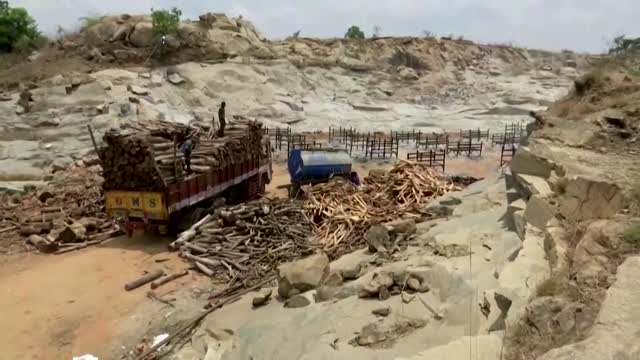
[409,185]
[144,156]
[244,244]
[342,212]
[66,215]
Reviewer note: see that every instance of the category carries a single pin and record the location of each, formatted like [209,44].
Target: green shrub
[18,30]
[587,82]
[632,235]
[622,44]
[354,32]
[26,44]
[166,22]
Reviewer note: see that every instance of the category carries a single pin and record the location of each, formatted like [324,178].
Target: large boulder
[586,199]
[231,43]
[591,262]
[378,239]
[407,73]
[100,33]
[142,35]
[218,21]
[303,275]
[525,162]
[539,211]
[532,185]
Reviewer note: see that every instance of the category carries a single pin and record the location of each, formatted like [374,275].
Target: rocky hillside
[125,40]
[114,72]
[579,177]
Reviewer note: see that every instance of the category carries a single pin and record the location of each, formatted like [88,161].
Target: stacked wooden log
[410,185]
[144,156]
[65,215]
[245,244]
[342,212]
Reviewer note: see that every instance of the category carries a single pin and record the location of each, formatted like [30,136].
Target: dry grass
[589,81]
[634,205]
[611,83]
[521,338]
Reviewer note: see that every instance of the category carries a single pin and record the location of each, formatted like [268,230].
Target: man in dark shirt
[222,119]
[186,148]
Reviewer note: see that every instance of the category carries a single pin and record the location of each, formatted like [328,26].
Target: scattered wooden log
[190,325]
[144,280]
[156,284]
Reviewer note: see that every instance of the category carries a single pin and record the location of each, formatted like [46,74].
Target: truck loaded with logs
[146,182]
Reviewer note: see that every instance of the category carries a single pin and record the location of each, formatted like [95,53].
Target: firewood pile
[249,241]
[410,185]
[342,212]
[144,156]
[66,215]
[244,244]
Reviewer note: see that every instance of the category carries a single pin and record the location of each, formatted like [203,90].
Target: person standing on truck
[186,148]
[222,119]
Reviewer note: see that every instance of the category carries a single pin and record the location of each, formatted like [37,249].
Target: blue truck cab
[317,166]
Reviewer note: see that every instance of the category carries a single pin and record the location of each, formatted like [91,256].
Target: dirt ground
[74,304]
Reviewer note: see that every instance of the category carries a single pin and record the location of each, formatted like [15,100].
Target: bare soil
[74,304]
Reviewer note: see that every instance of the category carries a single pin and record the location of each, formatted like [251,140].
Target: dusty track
[60,306]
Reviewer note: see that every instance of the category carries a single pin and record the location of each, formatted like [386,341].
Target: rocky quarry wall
[129,39]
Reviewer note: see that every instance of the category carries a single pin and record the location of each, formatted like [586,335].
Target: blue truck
[318,166]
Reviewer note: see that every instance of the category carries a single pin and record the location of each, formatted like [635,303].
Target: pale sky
[582,25]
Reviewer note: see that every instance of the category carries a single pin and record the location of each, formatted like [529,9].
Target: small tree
[166,22]
[354,32]
[428,34]
[60,32]
[18,30]
[376,31]
[622,44]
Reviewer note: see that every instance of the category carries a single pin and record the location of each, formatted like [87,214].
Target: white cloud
[573,24]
